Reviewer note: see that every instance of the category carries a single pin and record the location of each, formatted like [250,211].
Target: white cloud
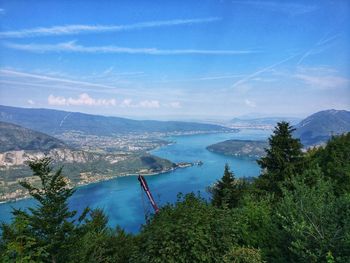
[149,104]
[126,103]
[31,102]
[71,46]
[83,100]
[57,101]
[250,103]
[78,29]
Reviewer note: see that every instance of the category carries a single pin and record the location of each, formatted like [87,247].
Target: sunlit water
[122,198]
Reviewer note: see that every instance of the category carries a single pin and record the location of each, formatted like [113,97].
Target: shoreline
[108,178]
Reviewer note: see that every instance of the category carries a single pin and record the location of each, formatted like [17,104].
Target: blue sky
[176,59]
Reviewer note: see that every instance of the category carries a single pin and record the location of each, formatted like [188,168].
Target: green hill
[14,137]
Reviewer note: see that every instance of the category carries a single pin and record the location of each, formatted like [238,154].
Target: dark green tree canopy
[283,159]
[50,225]
[227,191]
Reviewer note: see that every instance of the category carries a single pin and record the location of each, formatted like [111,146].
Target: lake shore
[20,195]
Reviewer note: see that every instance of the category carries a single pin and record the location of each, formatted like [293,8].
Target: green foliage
[228,191]
[283,159]
[189,231]
[308,222]
[100,244]
[18,243]
[315,222]
[258,228]
[48,230]
[334,160]
[243,255]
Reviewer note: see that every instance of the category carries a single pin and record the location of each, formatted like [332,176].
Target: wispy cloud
[6,73]
[321,78]
[203,78]
[18,78]
[320,46]
[2,11]
[290,8]
[323,82]
[258,72]
[78,29]
[73,47]
[15,78]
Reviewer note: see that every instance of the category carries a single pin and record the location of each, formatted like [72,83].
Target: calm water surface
[122,198]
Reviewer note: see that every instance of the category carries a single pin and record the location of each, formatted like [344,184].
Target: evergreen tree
[50,225]
[283,159]
[228,191]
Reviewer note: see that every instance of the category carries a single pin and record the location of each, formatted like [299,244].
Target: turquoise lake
[122,199]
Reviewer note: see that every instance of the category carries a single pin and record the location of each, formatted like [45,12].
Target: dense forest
[297,210]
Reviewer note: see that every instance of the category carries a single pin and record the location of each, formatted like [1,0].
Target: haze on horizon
[176,60]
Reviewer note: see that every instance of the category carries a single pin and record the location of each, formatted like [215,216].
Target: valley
[86,157]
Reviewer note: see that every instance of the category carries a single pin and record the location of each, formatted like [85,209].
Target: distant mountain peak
[320,126]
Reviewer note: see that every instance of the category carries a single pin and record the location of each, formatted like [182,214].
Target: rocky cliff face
[13,158]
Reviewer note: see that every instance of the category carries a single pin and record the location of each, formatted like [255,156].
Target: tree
[49,227]
[314,222]
[334,160]
[101,244]
[189,231]
[283,159]
[228,191]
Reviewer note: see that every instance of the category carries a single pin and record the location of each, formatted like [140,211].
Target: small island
[243,148]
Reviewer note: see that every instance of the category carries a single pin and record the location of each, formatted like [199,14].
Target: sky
[193,59]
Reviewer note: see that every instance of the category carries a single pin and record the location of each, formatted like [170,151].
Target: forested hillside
[297,210]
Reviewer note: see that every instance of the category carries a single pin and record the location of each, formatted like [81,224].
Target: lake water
[125,203]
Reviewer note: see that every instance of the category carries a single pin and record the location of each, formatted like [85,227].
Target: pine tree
[227,191]
[50,225]
[283,159]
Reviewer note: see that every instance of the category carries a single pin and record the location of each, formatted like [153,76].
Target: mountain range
[55,122]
